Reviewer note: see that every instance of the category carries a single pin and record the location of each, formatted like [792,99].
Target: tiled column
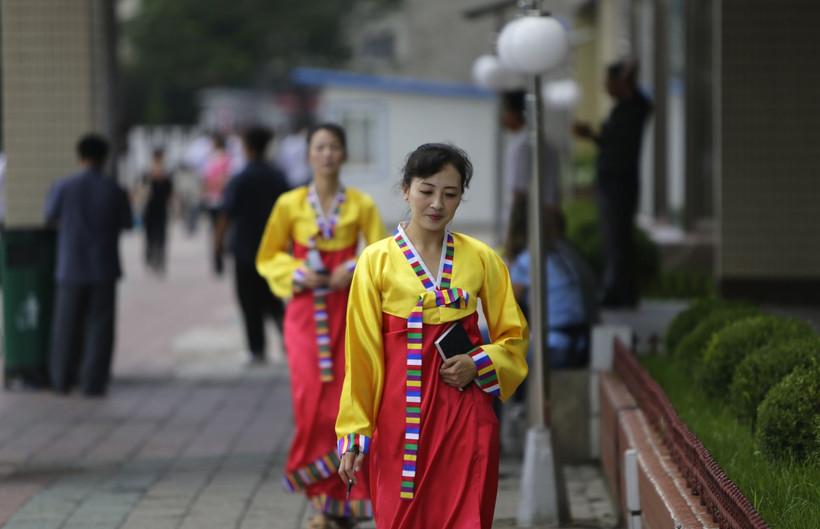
[767,142]
[57,69]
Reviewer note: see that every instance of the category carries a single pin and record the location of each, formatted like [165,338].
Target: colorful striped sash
[327,228]
[323,334]
[445,296]
[320,318]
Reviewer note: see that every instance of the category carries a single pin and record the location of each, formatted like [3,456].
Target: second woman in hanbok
[308,254]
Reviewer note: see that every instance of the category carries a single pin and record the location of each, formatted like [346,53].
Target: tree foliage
[171,49]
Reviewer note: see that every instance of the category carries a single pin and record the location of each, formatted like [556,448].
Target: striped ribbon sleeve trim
[299,279]
[346,443]
[487,378]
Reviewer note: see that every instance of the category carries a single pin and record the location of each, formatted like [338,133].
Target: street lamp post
[532,45]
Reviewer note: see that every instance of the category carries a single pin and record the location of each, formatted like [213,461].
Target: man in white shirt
[518,172]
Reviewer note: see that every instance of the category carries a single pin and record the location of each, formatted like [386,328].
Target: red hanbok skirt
[456,479]
[312,462]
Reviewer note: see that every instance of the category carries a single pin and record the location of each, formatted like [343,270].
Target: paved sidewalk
[189,437]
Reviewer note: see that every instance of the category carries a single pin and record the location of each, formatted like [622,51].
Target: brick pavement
[189,437]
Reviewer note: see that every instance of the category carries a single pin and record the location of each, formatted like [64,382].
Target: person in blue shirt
[570,295]
[89,210]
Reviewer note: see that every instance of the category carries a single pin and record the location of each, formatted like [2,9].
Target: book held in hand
[454,341]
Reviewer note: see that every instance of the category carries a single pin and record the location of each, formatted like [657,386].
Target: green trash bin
[28,260]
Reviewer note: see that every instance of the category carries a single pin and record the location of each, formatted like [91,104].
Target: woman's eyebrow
[434,185]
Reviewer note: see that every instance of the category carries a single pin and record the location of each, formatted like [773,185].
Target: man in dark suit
[90,211]
[248,201]
[617,181]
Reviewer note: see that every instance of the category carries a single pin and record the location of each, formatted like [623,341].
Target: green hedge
[729,346]
[764,368]
[691,348]
[785,492]
[689,318]
[787,418]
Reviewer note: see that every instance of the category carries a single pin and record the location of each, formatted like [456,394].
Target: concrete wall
[56,73]
[767,141]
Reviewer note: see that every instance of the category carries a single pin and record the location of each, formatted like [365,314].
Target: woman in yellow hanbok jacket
[308,254]
[425,424]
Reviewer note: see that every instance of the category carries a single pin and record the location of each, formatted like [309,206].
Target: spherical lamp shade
[562,94]
[504,45]
[488,72]
[532,44]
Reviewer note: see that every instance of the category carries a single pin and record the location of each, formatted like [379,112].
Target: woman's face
[435,199]
[325,153]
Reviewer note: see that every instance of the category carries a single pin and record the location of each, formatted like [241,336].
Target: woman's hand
[314,280]
[458,371]
[341,277]
[350,464]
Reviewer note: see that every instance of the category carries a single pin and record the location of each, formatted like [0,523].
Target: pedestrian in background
[308,254]
[570,291]
[160,187]
[292,154]
[247,204]
[215,176]
[617,181]
[90,211]
[434,460]
[517,175]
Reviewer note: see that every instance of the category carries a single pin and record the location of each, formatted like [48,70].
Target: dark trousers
[256,300]
[617,218]
[217,262]
[83,337]
[156,229]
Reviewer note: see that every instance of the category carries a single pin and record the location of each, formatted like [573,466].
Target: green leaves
[173,49]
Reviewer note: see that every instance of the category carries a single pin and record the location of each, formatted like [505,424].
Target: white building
[387,117]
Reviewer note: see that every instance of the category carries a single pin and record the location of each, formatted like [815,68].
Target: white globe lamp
[505,45]
[562,94]
[488,72]
[532,44]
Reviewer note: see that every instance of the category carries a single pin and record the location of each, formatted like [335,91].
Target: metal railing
[719,494]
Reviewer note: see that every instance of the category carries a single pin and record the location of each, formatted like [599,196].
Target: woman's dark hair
[430,158]
[93,147]
[332,128]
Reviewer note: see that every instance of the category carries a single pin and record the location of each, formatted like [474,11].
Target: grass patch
[787,494]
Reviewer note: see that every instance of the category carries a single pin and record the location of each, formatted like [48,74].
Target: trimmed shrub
[734,342]
[764,368]
[691,348]
[788,416]
[689,318]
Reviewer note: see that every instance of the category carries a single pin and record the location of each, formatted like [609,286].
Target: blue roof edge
[325,77]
